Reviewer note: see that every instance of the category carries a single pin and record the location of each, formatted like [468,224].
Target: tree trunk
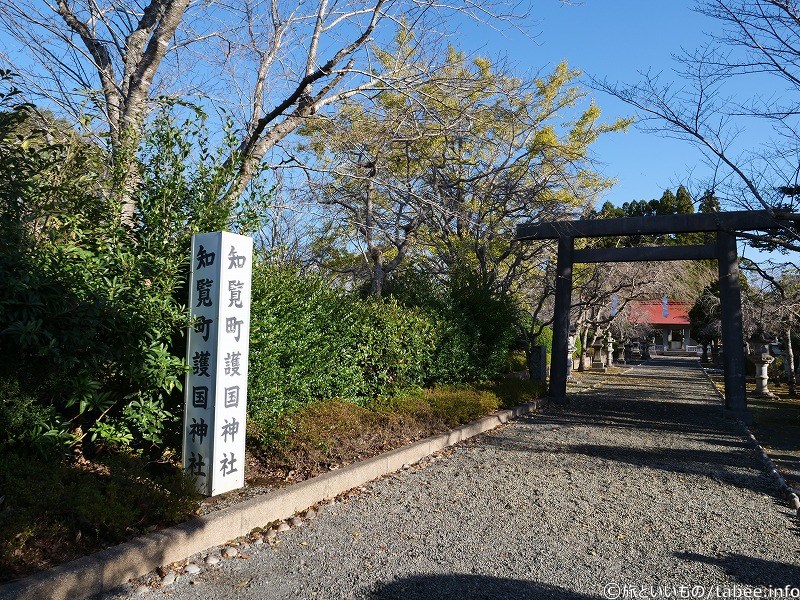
[584,351]
[789,361]
[127,98]
[373,251]
[378,273]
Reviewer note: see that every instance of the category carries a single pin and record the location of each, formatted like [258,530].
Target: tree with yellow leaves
[443,170]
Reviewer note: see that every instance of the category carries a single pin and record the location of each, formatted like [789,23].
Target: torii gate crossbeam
[724,251]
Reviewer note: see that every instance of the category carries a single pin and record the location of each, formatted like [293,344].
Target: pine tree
[667,204]
[709,203]
[683,202]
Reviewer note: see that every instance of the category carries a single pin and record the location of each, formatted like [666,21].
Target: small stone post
[537,364]
[762,359]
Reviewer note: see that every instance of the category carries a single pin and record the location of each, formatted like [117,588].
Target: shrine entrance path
[638,481]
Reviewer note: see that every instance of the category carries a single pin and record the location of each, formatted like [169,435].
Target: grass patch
[55,511]
[776,425]
[324,435]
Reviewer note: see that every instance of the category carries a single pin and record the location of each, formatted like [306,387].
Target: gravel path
[636,482]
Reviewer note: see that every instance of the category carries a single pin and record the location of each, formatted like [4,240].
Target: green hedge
[310,341]
[475,326]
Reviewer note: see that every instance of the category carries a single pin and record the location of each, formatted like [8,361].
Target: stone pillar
[732,336]
[563,303]
[217,350]
[537,363]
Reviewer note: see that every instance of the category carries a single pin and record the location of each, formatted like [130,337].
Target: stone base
[745,416]
[558,400]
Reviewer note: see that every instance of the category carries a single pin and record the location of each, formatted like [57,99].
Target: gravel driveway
[637,482]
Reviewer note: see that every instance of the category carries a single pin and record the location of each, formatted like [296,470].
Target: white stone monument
[217,349]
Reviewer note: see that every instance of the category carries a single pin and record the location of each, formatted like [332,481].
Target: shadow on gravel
[636,410]
[752,571]
[730,468]
[470,587]
[713,446]
[627,420]
[725,467]
[739,444]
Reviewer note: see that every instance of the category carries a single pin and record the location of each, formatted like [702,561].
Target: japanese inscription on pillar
[217,348]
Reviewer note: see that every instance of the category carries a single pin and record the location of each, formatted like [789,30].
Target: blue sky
[617,40]
[613,39]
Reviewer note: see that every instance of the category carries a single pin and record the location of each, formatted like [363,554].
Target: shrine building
[669,321]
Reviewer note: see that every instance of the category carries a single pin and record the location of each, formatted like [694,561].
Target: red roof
[651,312]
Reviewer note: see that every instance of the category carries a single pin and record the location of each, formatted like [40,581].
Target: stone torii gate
[723,224]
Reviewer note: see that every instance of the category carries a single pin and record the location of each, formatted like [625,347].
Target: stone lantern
[705,359]
[598,364]
[759,355]
[620,357]
[609,349]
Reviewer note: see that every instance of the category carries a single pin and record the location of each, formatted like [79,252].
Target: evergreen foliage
[475,326]
[311,342]
[91,311]
[678,203]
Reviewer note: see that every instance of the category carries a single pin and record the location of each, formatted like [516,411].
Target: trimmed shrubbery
[329,433]
[311,342]
[475,326]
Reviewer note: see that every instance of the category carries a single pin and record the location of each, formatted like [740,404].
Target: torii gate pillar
[559,369]
[730,297]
